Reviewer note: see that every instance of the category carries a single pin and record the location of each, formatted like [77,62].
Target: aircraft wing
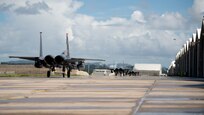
[84,59]
[25,57]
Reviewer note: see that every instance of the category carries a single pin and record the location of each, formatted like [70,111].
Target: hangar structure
[189,60]
[148,69]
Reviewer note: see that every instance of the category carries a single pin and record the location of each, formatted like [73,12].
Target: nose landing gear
[49,71]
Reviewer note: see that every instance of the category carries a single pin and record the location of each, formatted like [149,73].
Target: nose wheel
[49,71]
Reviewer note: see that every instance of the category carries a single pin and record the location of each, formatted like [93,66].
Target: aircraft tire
[63,70]
[48,74]
[68,74]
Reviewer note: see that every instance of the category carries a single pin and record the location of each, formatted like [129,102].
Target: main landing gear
[63,71]
[68,71]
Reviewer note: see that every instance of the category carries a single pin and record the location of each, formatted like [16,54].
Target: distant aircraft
[64,60]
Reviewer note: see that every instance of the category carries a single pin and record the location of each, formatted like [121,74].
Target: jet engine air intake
[49,60]
[59,59]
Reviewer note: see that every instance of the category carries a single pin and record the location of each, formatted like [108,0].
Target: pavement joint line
[165,96]
[141,100]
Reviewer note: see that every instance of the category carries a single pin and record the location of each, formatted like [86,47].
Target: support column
[187,58]
[199,53]
[190,57]
[202,49]
[195,60]
[198,59]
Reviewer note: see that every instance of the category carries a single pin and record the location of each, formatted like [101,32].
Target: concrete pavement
[90,96]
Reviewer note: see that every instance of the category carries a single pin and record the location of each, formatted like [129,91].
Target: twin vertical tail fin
[67,43]
[41,52]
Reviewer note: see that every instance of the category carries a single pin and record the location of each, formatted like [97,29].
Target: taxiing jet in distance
[63,60]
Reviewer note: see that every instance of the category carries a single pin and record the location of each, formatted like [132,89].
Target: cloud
[172,20]
[139,38]
[35,8]
[24,30]
[138,16]
[197,10]
[5,7]
[28,7]
[114,21]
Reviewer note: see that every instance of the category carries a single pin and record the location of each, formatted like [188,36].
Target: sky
[130,31]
